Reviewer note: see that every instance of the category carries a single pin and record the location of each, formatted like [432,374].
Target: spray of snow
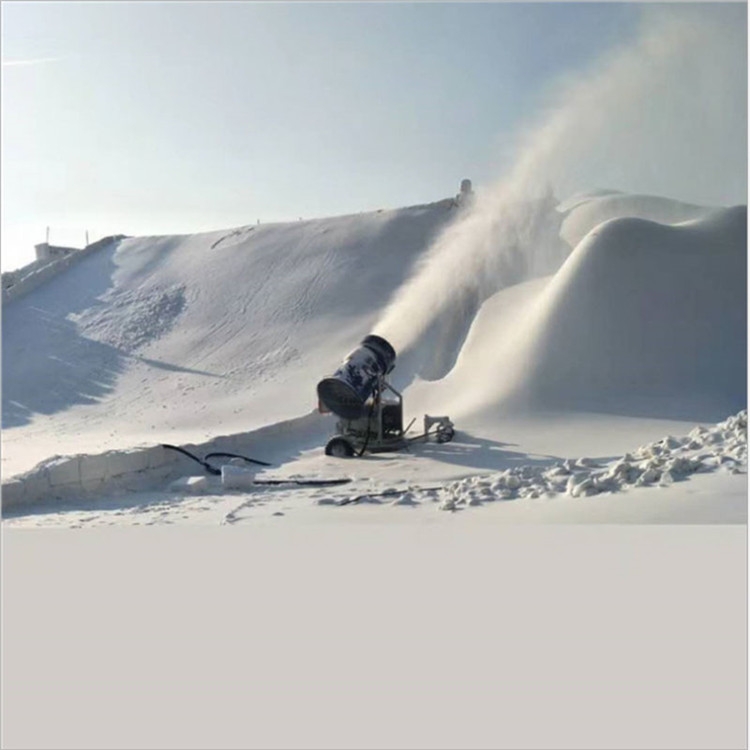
[666,106]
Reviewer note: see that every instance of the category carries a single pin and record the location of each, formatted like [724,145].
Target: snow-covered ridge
[586,212]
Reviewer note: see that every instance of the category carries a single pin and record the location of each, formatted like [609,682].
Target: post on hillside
[87,238]
[47,240]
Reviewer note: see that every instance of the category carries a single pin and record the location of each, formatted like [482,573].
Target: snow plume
[665,114]
[509,235]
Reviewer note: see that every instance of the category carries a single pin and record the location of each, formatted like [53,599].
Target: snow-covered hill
[633,329]
[183,338]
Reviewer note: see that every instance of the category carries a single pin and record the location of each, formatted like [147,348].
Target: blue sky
[172,117]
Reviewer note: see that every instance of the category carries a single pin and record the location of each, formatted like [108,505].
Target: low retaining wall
[137,469]
[28,278]
[62,478]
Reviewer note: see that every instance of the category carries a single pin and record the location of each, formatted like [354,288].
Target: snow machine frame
[381,428]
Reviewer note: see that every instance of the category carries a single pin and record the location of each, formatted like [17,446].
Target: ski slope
[634,337]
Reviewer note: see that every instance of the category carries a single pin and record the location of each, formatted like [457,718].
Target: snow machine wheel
[445,434]
[339,447]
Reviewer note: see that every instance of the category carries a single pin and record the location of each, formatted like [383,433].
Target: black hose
[213,470]
[204,462]
[210,469]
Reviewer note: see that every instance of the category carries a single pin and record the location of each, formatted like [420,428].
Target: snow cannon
[346,392]
[369,419]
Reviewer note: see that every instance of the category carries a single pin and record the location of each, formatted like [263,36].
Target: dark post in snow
[466,196]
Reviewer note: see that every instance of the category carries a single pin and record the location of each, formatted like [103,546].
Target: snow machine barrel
[347,390]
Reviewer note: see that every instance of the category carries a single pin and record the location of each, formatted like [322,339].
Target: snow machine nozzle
[347,390]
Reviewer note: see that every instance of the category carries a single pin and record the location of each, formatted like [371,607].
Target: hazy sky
[145,118]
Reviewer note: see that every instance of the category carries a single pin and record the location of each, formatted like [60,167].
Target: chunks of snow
[660,464]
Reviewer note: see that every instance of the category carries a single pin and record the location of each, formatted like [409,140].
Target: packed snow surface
[584,330]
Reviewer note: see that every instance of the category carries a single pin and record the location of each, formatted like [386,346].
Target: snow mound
[642,319]
[647,312]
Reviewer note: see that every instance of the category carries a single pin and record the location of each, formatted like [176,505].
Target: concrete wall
[22,281]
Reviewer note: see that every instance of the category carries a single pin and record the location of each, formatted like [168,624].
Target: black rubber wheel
[339,447]
[445,434]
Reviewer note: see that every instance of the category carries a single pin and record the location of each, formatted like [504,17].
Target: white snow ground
[610,387]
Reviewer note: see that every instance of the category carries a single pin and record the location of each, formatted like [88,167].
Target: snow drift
[646,317]
[642,319]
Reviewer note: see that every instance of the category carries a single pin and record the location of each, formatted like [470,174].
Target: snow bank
[152,467]
[642,319]
[646,313]
[62,477]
